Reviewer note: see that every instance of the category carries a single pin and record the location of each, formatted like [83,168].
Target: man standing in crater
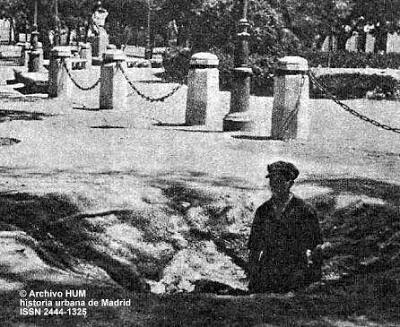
[285,239]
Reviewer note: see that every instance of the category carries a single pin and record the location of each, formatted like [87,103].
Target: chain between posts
[83,88]
[141,94]
[324,89]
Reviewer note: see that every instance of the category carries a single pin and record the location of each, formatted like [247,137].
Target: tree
[210,23]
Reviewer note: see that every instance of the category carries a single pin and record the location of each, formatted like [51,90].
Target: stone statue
[97,33]
[99,18]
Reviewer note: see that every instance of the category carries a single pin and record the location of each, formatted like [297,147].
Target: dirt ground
[119,202]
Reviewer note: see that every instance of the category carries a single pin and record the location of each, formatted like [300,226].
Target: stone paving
[334,137]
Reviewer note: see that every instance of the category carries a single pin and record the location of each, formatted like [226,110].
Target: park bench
[137,62]
[10,52]
[78,63]
[135,57]
[157,58]
[134,51]
[159,51]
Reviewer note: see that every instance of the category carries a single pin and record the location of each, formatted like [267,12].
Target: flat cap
[286,169]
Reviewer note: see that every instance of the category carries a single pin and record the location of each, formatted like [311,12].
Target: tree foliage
[210,23]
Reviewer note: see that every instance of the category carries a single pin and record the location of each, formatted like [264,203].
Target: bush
[343,59]
[176,63]
[261,81]
[350,86]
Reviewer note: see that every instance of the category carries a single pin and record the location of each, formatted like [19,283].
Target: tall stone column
[291,108]
[238,118]
[35,63]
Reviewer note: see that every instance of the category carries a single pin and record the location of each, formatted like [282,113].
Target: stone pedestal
[290,113]
[239,118]
[113,85]
[203,88]
[35,62]
[23,59]
[100,43]
[60,83]
[86,53]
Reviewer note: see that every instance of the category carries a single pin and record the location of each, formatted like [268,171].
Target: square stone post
[23,59]
[113,85]
[60,83]
[203,88]
[290,113]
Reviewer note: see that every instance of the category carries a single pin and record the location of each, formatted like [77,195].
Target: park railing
[76,83]
[345,107]
[143,95]
[203,91]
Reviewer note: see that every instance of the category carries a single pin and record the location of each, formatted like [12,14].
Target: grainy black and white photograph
[200,163]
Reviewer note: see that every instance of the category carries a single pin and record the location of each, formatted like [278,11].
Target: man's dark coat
[278,261]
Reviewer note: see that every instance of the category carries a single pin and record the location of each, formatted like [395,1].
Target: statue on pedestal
[97,33]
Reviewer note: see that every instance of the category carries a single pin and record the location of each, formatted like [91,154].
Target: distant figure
[369,30]
[370,43]
[51,36]
[6,31]
[172,33]
[73,37]
[352,43]
[393,43]
[64,31]
[285,239]
[329,44]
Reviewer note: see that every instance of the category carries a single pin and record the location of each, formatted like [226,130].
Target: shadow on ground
[63,236]
[9,115]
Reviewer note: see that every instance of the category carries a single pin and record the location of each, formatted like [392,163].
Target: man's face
[279,185]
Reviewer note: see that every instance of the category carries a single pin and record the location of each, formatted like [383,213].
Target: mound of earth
[182,233]
[178,237]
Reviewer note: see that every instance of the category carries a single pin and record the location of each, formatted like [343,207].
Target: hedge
[343,59]
[350,86]
[176,64]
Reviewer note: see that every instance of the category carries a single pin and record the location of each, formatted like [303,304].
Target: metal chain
[324,89]
[148,98]
[83,88]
